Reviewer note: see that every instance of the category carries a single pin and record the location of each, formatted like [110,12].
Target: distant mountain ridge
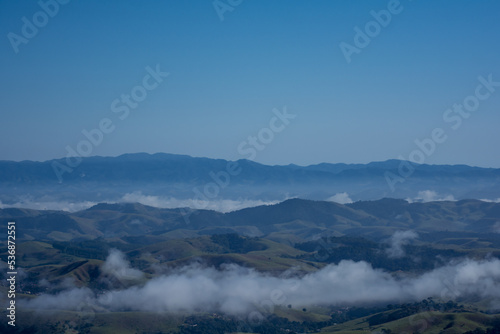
[174,175]
[174,167]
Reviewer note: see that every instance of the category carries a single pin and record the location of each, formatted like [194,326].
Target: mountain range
[101,179]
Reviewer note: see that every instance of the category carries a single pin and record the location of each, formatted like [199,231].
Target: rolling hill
[295,218]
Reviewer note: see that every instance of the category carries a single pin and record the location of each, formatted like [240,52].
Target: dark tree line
[336,249]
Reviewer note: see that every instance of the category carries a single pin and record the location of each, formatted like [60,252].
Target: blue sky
[226,77]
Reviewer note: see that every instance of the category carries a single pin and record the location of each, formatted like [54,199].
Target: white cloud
[491,200]
[49,205]
[117,266]
[397,241]
[341,198]
[432,196]
[221,205]
[237,290]
[496,227]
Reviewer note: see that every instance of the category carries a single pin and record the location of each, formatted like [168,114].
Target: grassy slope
[426,322]
[98,323]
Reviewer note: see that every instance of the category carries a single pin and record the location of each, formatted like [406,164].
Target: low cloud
[238,290]
[29,203]
[221,205]
[432,196]
[76,299]
[117,266]
[341,198]
[491,200]
[496,227]
[397,241]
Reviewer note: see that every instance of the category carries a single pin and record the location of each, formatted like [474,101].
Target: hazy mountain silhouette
[105,178]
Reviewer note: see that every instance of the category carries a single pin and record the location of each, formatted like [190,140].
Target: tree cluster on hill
[90,249]
[493,330]
[234,243]
[336,249]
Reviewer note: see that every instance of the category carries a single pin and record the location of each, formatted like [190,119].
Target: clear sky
[62,72]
